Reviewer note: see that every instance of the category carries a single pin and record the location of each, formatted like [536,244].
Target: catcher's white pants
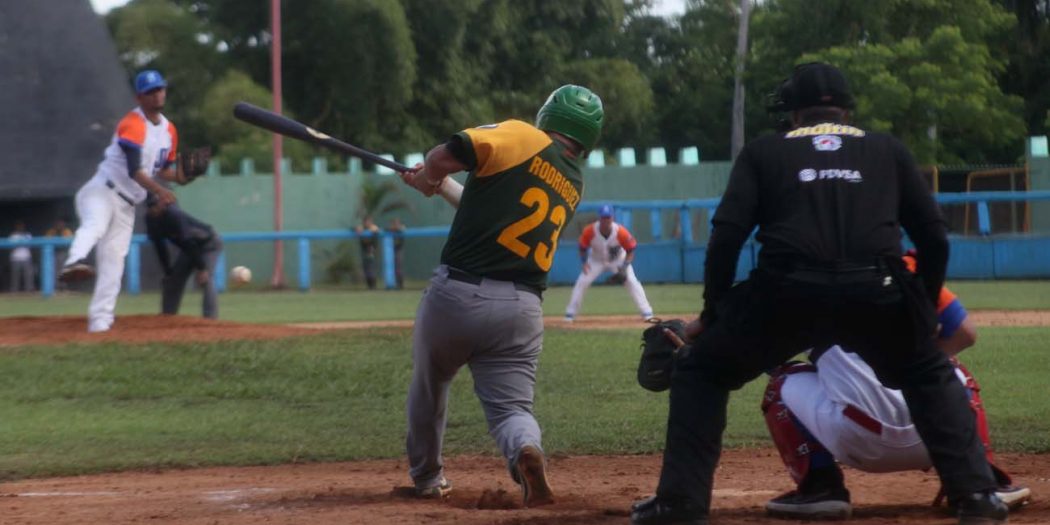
[106,224]
[595,269]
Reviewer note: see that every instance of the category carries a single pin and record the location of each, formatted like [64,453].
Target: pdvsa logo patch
[807,175]
[810,175]
[827,142]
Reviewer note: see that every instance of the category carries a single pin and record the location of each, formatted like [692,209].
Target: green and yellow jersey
[522,190]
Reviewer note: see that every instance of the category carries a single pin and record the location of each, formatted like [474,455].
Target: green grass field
[327,304]
[81,408]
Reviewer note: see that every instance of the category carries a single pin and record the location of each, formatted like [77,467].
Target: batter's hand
[418,179]
[693,329]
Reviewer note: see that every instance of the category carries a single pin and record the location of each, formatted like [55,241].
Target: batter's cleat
[826,504]
[655,511]
[980,508]
[530,470]
[1014,497]
[442,489]
[76,271]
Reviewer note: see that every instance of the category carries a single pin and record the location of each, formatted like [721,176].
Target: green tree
[157,34]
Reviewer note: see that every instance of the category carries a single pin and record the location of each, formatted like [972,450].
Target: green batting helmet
[573,111]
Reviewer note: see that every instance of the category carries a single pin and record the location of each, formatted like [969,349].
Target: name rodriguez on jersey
[553,178]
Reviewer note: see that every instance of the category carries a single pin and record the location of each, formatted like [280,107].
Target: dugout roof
[62,90]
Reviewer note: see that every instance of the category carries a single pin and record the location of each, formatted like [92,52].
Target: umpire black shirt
[183,230]
[825,194]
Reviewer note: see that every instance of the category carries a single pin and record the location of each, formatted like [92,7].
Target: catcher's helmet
[573,111]
[813,84]
[149,80]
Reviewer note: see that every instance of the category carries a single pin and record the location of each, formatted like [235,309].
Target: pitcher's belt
[110,185]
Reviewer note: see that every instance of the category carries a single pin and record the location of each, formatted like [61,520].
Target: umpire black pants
[882,315]
[173,286]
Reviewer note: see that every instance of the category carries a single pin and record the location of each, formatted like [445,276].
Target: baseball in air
[240,275]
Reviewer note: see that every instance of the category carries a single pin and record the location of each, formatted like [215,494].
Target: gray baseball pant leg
[210,301]
[174,285]
[498,331]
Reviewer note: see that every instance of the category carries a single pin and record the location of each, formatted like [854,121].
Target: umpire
[199,248]
[829,201]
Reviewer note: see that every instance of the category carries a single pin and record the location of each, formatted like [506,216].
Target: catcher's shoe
[980,508]
[825,504]
[442,489]
[530,470]
[76,271]
[1014,497]
[655,511]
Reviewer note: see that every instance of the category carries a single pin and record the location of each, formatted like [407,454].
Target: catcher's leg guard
[799,450]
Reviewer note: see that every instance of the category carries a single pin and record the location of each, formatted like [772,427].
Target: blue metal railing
[303,238]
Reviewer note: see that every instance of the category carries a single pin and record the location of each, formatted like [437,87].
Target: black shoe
[980,508]
[655,511]
[76,271]
[826,504]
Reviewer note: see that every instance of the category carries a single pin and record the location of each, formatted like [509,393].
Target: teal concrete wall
[243,202]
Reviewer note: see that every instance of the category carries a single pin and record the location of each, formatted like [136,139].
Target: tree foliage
[958,80]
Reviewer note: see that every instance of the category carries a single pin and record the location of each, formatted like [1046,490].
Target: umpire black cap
[813,84]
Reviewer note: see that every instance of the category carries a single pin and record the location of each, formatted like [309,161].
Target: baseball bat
[269,120]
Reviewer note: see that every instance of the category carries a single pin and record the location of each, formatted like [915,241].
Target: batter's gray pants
[173,286]
[495,329]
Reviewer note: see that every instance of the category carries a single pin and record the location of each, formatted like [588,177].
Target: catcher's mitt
[620,276]
[659,354]
[193,164]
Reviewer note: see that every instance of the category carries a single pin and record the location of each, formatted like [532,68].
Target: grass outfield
[340,396]
[262,306]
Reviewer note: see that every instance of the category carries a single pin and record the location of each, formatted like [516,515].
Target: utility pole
[737,139]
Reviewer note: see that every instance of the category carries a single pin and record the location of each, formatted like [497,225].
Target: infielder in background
[199,248]
[143,146]
[483,305]
[606,246]
[837,410]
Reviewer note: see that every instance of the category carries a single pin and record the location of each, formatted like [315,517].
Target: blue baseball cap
[605,211]
[148,80]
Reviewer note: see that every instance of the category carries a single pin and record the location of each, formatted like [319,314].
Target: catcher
[607,246]
[837,409]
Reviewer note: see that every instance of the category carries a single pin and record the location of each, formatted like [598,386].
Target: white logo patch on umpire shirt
[810,175]
[827,142]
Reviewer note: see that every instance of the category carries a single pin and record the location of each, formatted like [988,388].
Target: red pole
[277,281]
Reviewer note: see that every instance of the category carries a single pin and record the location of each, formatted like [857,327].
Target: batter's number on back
[537,200]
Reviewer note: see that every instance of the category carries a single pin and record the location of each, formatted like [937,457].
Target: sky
[660,7]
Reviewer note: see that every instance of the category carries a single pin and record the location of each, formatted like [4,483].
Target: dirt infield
[590,489]
[135,329]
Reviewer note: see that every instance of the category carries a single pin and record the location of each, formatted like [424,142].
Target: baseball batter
[483,305]
[143,147]
[839,410]
[606,246]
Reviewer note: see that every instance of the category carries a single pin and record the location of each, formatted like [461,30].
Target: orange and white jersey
[156,142]
[609,249]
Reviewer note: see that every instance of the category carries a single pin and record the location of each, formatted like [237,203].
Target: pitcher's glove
[193,164]
[659,353]
[620,276]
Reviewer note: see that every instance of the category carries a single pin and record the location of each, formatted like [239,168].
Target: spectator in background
[22,270]
[60,229]
[369,235]
[398,229]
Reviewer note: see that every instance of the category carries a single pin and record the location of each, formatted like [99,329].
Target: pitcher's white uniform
[607,254]
[106,207]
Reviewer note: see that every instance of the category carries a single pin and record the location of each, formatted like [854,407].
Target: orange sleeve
[625,238]
[132,130]
[587,237]
[499,147]
[945,299]
[173,154]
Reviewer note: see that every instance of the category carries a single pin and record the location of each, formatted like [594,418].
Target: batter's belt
[466,277]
